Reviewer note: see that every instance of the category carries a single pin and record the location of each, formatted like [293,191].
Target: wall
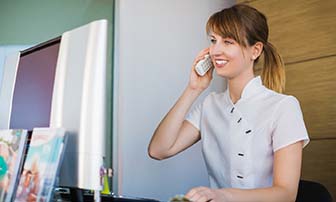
[30,22]
[34,21]
[156,42]
[304,33]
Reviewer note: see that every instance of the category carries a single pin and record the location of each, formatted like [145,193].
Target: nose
[216,49]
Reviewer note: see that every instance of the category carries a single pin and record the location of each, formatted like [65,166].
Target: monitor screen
[33,90]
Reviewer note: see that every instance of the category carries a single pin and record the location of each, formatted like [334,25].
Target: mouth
[220,63]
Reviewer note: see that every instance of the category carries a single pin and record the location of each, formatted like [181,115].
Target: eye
[213,41]
[228,42]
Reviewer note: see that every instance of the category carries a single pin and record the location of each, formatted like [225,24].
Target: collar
[250,89]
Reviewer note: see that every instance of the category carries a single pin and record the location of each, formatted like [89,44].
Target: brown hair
[247,26]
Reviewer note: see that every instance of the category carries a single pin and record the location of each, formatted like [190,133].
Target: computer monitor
[33,87]
[62,83]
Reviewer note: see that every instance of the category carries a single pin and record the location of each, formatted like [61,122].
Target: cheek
[238,60]
[211,50]
[236,53]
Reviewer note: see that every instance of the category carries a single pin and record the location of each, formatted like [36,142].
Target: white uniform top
[239,140]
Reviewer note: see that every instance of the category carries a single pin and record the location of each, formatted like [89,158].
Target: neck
[236,86]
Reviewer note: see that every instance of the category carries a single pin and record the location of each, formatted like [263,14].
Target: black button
[232,109]
[239,120]
[247,132]
[240,154]
[241,177]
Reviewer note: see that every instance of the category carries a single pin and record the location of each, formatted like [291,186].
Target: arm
[286,175]
[174,134]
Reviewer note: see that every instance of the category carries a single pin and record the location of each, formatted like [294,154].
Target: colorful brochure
[12,150]
[41,165]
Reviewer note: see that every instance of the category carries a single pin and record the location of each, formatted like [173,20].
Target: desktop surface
[104,198]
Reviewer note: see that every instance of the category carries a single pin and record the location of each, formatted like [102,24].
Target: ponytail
[273,72]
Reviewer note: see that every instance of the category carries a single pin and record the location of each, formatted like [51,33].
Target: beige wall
[304,33]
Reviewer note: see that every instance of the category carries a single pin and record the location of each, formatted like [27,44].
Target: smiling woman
[250,121]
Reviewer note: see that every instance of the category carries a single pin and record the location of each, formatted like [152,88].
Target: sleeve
[289,126]
[194,116]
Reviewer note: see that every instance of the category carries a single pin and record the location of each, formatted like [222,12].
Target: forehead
[241,42]
[219,36]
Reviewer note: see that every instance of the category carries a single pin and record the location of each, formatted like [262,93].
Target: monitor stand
[76,195]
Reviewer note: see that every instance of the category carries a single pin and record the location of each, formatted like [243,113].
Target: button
[247,132]
[239,120]
[240,154]
[241,177]
[232,109]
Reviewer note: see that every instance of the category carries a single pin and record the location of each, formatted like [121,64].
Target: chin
[223,73]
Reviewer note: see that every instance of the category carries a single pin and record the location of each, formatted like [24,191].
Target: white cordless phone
[204,65]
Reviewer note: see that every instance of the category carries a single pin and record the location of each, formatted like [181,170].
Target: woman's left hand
[205,194]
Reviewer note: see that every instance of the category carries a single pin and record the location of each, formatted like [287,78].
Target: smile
[221,62]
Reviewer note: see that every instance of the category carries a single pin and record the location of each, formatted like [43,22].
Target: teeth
[221,62]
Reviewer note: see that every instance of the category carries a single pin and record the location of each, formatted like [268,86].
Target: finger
[206,50]
[203,199]
[201,196]
[198,198]
[198,58]
[190,193]
[201,55]
[203,52]
[194,191]
[207,193]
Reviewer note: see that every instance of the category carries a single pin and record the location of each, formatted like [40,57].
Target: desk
[104,198]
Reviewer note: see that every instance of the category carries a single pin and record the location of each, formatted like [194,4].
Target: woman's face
[229,58]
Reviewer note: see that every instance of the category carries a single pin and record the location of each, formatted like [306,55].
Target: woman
[252,135]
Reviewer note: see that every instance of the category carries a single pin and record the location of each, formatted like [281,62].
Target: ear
[257,49]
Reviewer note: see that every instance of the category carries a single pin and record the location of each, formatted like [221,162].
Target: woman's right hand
[174,134]
[197,82]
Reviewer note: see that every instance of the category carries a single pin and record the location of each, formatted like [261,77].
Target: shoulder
[284,105]
[213,101]
[278,104]
[214,97]
[279,99]
[289,103]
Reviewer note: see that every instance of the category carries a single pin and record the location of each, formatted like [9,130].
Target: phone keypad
[204,65]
